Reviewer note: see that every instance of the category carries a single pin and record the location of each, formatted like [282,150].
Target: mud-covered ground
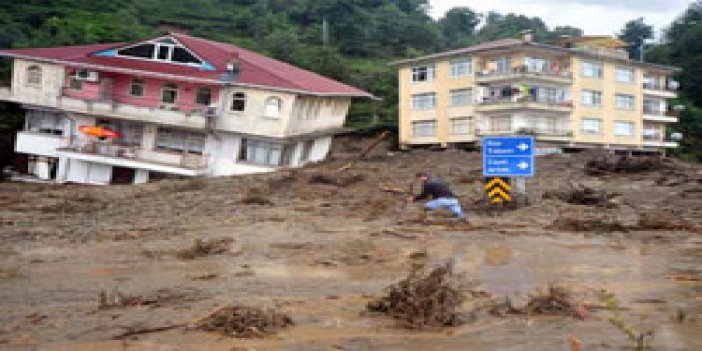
[319,252]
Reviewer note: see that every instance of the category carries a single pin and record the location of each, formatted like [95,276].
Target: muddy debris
[344,180]
[117,299]
[424,299]
[202,248]
[581,221]
[554,301]
[603,165]
[662,220]
[583,195]
[244,322]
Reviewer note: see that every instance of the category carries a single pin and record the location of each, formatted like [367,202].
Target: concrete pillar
[62,171]
[141,176]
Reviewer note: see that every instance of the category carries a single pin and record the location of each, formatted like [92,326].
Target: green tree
[635,33]
[458,26]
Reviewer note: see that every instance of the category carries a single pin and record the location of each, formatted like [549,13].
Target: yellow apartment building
[574,93]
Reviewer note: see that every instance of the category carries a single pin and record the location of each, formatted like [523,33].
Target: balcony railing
[670,87]
[526,72]
[528,130]
[132,152]
[527,100]
[196,119]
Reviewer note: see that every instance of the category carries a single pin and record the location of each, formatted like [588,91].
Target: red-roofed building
[173,105]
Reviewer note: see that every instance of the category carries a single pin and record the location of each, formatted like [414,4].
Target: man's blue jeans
[450,203]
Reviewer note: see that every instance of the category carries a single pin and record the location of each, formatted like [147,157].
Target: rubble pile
[582,195]
[603,165]
[423,299]
[245,322]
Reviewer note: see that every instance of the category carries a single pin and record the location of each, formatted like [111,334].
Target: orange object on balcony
[98,132]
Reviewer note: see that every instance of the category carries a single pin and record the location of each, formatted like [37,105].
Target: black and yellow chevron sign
[498,189]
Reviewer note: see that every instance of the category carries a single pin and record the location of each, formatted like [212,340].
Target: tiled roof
[255,69]
[490,45]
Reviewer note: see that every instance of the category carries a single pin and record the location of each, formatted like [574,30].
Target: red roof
[255,69]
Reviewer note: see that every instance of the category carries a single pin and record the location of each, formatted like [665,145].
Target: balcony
[658,140]
[129,156]
[524,72]
[656,115]
[540,132]
[40,144]
[193,116]
[660,90]
[530,103]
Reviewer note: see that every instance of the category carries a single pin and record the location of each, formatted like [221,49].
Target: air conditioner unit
[87,75]
[211,111]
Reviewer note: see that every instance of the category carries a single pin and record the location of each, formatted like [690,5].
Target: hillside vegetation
[363,36]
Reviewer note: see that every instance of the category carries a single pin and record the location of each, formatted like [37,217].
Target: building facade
[181,107]
[576,93]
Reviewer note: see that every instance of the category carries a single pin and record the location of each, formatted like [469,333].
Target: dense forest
[363,37]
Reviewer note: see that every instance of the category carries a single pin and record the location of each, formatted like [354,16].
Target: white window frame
[496,123]
[209,96]
[462,67]
[630,75]
[594,100]
[181,141]
[238,96]
[428,72]
[461,97]
[503,64]
[169,87]
[34,75]
[595,128]
[424,129]
[273,107]
[154,54]
[592,69]
[536,64]
[461,125]
[44,122]
[265,153]
[619,125]
[625,102]
[423,101]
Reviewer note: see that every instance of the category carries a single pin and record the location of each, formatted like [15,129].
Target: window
[273,106]
[625,102]
[461,67]
[503,65]
[136,87]
[423,74]
[181,141]
[623,128]
[164,49]
[141,51]
[75,84]
[204,96]
[306,150]
[34,75]
[591,98]
[624,75]
[129,133]
[537,65]
[461,125]
[591,125]
[461,97]
[425,101]
[424,129]
[265,153]
[169,93]
[592,70]
[655,107]
[44,122]
[238,102]
[501,124]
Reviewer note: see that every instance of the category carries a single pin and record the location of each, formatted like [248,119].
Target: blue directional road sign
[508,156]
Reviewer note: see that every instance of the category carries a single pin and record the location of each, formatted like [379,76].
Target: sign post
[512,157]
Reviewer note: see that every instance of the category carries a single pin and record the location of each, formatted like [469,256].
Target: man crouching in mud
[441,197]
